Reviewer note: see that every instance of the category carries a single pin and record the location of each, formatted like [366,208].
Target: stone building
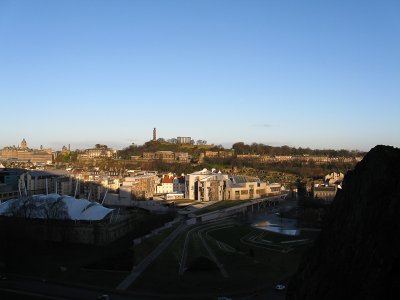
[196,185]
[324,192]
[166,185]
[245,188]
[184,140]
[46,182]
[24,154]
[98,152]
[139,187]
[208,185]
[164,155]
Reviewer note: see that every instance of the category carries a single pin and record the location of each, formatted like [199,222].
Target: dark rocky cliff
[357,255]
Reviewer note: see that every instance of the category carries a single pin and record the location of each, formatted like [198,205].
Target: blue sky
[319,74]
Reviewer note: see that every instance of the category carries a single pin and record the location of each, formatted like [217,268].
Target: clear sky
[319,74]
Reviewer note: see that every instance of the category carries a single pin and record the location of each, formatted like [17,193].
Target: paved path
[182,264]
[199,230]
[211,252]
[150,258]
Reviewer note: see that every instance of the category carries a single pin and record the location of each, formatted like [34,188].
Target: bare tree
[38,208]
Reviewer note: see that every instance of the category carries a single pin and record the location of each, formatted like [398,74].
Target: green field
[220,205]
[101,266]
[249,267]
[147,245]
[250,264]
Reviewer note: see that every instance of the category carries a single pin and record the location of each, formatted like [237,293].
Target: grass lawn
[178,201]
[43,260]
[249,267]
[148,245]
[101,266]
[254,265]
[220,205]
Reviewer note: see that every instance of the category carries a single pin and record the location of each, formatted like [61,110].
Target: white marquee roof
[75,209]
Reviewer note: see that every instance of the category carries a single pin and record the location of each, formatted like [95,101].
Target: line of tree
[165,145]
[299,168]
[255,148]
[239,147]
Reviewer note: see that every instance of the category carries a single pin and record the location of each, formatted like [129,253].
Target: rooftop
[54,206]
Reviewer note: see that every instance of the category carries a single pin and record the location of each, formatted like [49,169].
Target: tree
[173,141]
[29,207]
[100,146]
[239,147]
[201,142]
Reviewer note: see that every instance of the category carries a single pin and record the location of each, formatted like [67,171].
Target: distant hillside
[255,148]
[357,255]
[240,148]
[150,146]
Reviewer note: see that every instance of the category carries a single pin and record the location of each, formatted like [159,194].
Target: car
[103,297]
[280,287]
[3,277]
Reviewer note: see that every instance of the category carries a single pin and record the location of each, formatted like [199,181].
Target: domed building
[24,144]
[25,154]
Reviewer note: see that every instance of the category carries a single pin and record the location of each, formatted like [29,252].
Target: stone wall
[94,233]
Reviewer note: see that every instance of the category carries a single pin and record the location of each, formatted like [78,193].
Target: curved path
[199,230]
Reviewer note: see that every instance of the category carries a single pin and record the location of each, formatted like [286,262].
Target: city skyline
[121,146]
[323,76]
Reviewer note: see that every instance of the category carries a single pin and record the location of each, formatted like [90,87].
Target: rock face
[357,255]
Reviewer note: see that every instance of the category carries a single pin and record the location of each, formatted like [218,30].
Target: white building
[208,185]
[334,178]
[196,186]
[245,188]
[166,185]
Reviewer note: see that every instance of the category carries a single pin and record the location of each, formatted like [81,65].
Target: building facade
[246,188]
[139,187]
[179,184]
[25,154]
[324,192]
[184,140]
[196,186]
[46,182]
[166,185]
[208,185]
[98,152]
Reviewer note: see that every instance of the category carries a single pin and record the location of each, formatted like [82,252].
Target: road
[23,288]
[16,288]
